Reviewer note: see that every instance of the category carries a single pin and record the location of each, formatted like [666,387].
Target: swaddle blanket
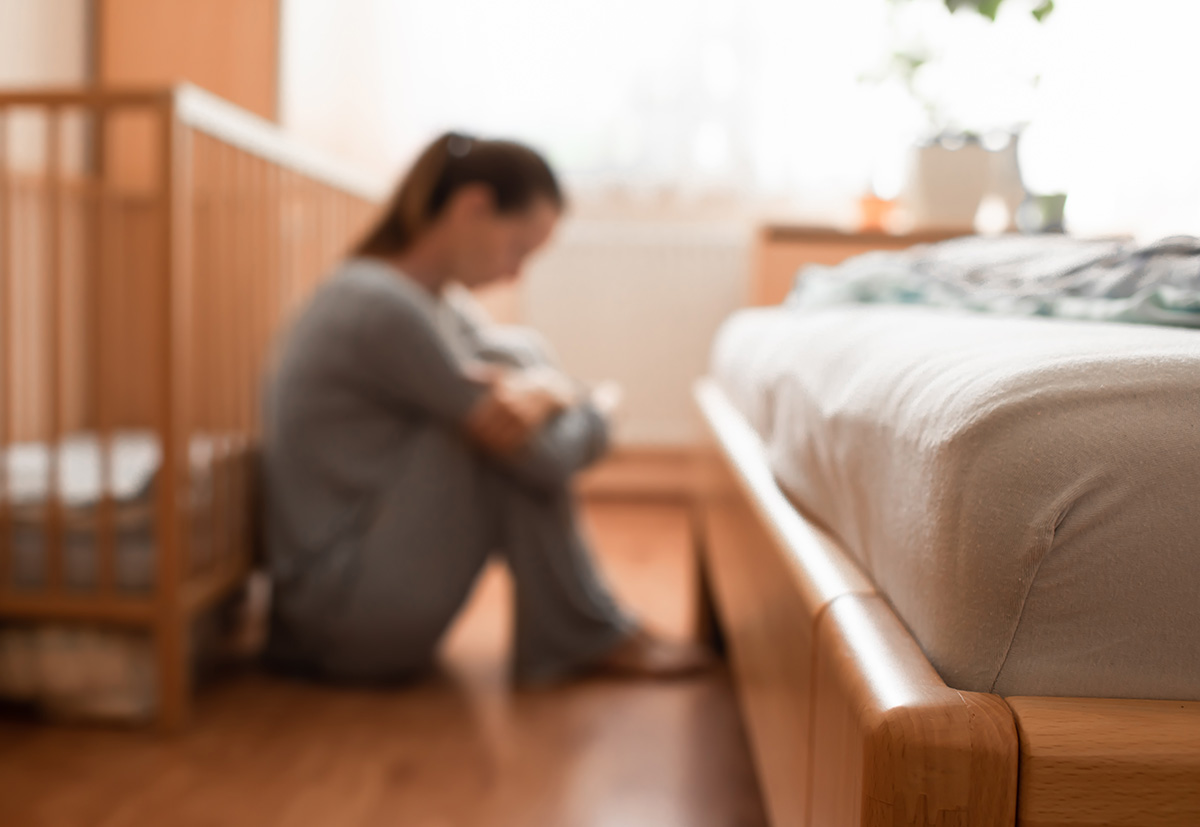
[1050,275]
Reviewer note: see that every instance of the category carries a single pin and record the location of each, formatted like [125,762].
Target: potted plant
[988,8]
[972,96]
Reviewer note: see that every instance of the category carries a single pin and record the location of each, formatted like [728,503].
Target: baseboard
[651,473]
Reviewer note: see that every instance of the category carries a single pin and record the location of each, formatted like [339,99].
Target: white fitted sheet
[1025,492]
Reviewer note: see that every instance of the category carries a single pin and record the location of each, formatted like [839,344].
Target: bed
[954,558]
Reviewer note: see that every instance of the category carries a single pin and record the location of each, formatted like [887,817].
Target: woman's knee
[438,470]
[540,468]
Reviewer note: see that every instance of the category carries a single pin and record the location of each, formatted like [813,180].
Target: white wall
[333,76]
[43,42]
[639,302]
[634,300]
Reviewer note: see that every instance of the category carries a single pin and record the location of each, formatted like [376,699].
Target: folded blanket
[1051,275]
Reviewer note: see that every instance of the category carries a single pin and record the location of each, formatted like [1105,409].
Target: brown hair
[516,175]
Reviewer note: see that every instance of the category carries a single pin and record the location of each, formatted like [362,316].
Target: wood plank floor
[459,749]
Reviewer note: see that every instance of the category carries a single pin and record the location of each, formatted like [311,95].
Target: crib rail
[151,244]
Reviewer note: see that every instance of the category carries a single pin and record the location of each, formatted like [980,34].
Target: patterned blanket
[1050,275]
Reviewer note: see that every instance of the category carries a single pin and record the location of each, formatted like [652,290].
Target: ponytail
[515,174]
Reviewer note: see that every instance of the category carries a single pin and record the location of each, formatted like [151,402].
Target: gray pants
[376,608]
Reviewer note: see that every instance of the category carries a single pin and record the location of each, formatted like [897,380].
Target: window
[763,101]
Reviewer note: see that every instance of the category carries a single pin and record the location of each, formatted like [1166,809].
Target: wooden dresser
[781,249]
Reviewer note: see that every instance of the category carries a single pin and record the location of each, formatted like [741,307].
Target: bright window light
[766,100]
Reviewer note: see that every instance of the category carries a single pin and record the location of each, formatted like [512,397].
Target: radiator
[639,303]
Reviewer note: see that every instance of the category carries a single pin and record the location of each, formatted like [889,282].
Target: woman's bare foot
[642,655]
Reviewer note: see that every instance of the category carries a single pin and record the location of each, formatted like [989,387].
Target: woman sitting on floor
[407,440]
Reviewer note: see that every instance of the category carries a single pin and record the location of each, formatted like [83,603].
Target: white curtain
[764,101]
[43,42]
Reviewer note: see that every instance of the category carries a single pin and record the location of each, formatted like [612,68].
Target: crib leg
[174,673]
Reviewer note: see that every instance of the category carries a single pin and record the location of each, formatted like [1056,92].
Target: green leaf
[910,61]
[1043,11]
[988,8]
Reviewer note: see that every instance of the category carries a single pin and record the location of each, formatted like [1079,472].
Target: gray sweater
[363,369]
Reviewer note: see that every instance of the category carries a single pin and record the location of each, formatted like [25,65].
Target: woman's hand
[519,403]
[606,398]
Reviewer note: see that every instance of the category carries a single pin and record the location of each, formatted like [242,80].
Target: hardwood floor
[461,748]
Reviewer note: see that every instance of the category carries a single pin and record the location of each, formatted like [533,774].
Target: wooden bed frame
[849,723]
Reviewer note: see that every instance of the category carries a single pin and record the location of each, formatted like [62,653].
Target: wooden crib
[151,244]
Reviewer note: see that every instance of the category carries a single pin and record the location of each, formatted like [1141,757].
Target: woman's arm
[565,429]
[404,361]
[564,445]
[568,441]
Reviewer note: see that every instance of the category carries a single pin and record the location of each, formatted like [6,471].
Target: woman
[406,441]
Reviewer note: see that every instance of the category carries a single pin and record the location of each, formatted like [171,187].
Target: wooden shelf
[782,249]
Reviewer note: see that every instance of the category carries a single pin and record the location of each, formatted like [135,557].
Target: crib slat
[300,240]
[225,363]
[219,341]
[7,408]
[242,320]
[262,315]
[54,352]
[329,207]
[232,315]
[116,292]
[100,368]
[202,209]
[174,337]
[210,343]
[207,259]
[235,330]
[255,347]
[239,308]
[298,237]
[229,281]
[275,212]
[310,241]
[239,319]
[249,291]
[245,320]
[329,217]
[257,286]
[286,257]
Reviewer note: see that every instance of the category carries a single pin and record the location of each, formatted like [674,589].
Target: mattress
[131,467]
[1022,491]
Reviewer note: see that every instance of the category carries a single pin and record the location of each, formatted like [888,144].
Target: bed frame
[151,243]
[849,723]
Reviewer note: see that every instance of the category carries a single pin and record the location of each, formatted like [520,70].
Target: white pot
[945,186]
